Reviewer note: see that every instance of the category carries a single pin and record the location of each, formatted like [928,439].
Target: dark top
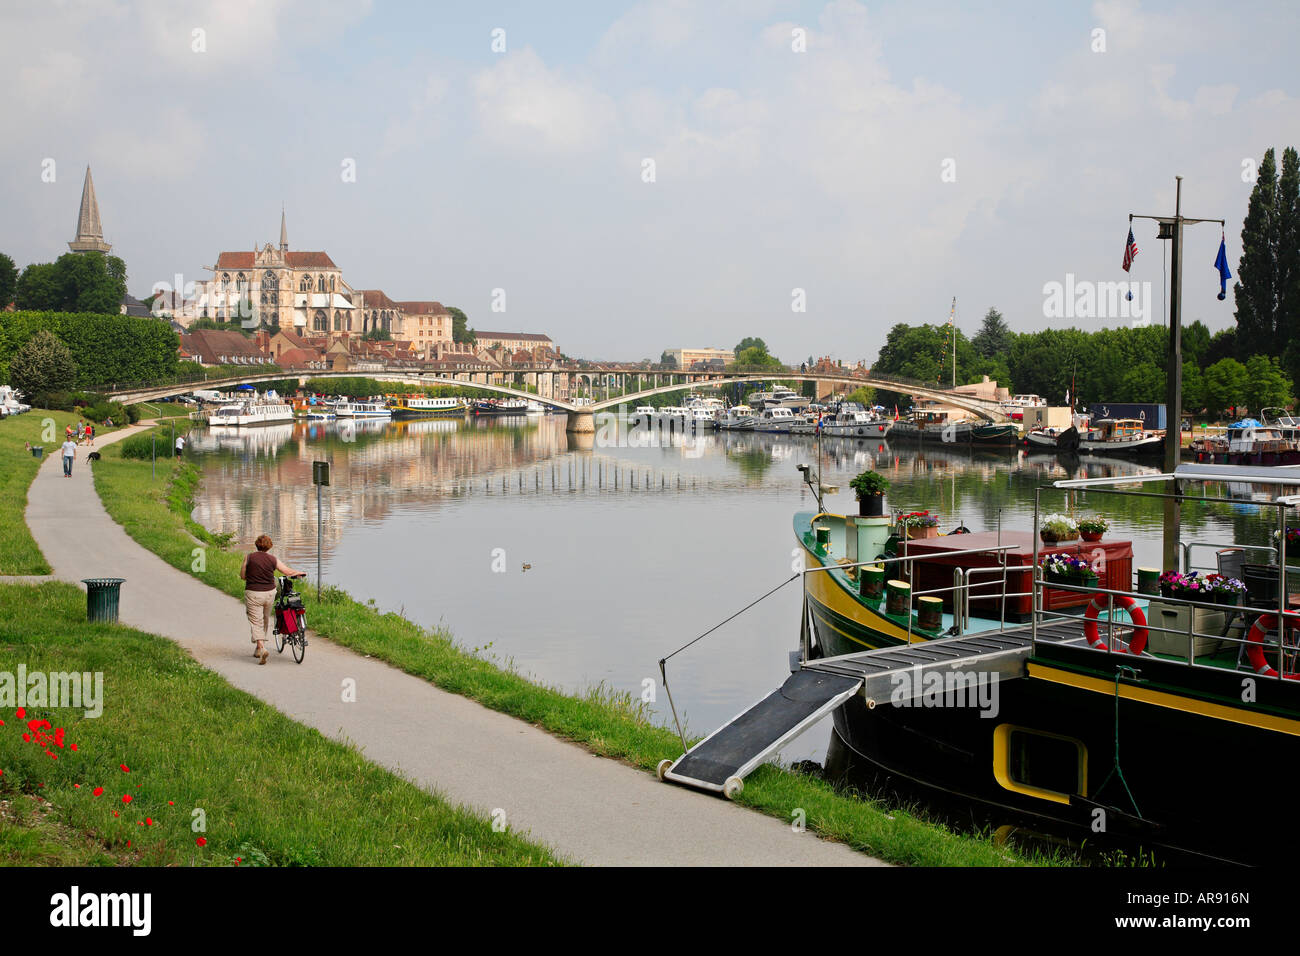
[260,573]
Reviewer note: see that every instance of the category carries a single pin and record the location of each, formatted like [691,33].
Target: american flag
[1130,250]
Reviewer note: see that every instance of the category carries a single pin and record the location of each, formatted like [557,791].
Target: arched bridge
[630,384]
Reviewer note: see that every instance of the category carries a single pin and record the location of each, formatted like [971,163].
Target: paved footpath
[589,809]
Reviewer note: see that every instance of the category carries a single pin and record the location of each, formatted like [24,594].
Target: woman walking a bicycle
[258,572]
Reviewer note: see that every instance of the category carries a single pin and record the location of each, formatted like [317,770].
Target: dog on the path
[93,456]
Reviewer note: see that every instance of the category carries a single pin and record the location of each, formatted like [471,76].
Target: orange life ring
[1255,648]
[1140,633]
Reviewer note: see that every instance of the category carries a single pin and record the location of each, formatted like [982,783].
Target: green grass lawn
[18,552]
[270,790]
[156,514]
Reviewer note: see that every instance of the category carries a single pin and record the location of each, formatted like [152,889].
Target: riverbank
[46,429]
[156,515]
[189,750]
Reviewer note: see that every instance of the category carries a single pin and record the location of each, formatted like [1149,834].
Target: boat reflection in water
[263,440]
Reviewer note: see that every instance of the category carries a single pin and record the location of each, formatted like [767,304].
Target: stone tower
[90,234]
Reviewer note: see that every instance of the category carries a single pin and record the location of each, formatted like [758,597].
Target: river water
[585,566]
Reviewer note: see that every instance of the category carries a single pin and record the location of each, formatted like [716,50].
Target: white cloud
[521,104]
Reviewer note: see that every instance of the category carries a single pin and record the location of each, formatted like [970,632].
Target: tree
[1288,259]
[756,357]
[1193,387]
[1266,384]
[1267,291]
[1222,345]
[1196,342]
[75,282]
[378,334]
[8,280]
[864,395]
[1224,385]
[994,336]
[461,333]
[750,342]
[668,359]
[43,365]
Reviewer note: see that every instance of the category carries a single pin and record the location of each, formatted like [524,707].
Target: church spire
[284,232]
[90,234]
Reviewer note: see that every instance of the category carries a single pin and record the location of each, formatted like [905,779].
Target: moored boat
[359,410]
[250,413]
[425,406]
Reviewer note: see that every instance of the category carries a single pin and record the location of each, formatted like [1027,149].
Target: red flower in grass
[202,841]
[148,821]
[20,713]
[126,798]
[76,786]
[98,791]
[74,746]
[27,738]
[125,768]
[116,814]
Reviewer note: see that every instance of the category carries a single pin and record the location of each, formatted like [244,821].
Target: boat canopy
[1286,475]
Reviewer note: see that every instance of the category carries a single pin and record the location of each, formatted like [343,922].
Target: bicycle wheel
[300,642]
[279,641]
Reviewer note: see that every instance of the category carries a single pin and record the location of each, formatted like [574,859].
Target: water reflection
[635,545]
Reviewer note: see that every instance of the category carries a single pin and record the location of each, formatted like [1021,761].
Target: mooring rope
[1115,769]
[663,673]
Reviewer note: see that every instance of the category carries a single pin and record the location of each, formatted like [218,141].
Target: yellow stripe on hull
[1158,698]
[828,592]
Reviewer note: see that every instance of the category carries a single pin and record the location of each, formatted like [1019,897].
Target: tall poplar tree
[1255,291]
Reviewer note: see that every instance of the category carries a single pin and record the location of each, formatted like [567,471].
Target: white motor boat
[737,418]
[778,420]
[356,410]
[244,414]
[856,423]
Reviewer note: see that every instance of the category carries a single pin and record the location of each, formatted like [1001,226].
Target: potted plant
[1092,528]
[1292,545]
[1067,569]
[1056,528]
[1189,586]
[870,487]
[1225,590]
[919,524]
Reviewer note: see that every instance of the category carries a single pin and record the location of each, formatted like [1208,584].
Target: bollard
[1148,580]
[823,537]
[929,613]
[871,582]
[898,598]
[102,596]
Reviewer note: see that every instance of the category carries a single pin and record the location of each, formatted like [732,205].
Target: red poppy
[126,798]
[98,791]
[76,786]
[27,738]
[202,841]
[148,821]
[125,768]
[20,713]
[74,746]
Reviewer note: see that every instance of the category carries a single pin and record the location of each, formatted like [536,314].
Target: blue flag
[1221,263]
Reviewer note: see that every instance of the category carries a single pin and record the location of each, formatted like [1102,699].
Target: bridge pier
[580,422]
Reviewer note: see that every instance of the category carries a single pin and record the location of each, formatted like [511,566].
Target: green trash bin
[101,598]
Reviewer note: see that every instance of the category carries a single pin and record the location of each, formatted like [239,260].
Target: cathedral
[304,293]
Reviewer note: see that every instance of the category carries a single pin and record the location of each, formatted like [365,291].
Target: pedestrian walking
[69,454]
[258,572]
[90,435]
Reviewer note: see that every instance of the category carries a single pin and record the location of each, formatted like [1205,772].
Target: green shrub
[141,447]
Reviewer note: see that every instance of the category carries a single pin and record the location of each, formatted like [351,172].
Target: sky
[633,177]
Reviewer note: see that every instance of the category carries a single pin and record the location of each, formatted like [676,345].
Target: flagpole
[1172,228]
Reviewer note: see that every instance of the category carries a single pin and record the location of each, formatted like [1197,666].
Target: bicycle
[290,619]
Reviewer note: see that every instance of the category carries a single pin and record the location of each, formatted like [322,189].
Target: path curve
[589,809]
